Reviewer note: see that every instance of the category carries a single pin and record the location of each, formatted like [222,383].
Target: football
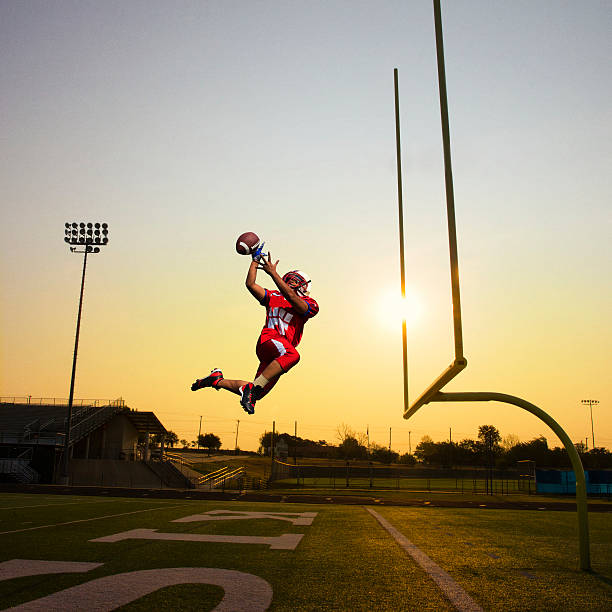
[247,243]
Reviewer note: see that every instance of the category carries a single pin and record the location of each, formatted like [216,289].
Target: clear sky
[184,124]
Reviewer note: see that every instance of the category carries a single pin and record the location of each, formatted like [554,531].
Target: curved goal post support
[581,493]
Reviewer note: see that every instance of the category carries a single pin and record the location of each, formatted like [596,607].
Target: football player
[287,309]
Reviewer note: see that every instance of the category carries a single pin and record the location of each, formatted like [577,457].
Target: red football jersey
[282,319]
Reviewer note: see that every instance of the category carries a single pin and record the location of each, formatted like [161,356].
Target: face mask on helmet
[298,281]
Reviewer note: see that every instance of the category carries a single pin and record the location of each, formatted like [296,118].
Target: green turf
[514,559]
[346,560]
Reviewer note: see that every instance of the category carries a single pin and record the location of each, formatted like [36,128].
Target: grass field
[346,560]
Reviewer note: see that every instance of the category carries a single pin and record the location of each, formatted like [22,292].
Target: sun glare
[393,308]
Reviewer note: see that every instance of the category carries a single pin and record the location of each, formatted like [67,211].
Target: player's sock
[260,381]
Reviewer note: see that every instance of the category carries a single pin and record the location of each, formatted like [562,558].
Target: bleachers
[45,423]
[38,425]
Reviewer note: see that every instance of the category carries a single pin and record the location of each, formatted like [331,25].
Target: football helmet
[298,281]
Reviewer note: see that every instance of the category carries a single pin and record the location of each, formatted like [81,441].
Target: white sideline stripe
[96,518]
[457,596]
[54,505]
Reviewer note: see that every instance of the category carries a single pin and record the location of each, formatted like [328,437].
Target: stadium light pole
[89,236]
[590,403]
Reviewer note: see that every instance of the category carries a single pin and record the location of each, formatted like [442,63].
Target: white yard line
[56,504]
[97,518]
[457,596]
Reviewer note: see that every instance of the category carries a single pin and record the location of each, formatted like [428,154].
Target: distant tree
[534,450]
[171,439]
[304,447]
[344,432]
[468,452]
[209,441]
[489,436]
[407,459]
[425,450]
[351,449]
[557,457]
[383,454]
[184,443]
[510,440]
[437,453]
[445,453]
[265,440]
[597,458]
[581,447]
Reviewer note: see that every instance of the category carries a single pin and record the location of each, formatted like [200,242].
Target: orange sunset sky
[183,125]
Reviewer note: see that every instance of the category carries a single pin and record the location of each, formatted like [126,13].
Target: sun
[393,308]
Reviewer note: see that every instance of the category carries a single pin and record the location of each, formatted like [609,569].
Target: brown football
[247,243]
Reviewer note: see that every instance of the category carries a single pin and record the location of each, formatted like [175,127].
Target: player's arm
[292,297]
[256,291]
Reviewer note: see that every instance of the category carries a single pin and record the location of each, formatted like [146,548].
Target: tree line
[488,449]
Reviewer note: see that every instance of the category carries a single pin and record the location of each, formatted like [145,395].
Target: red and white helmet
[298,281]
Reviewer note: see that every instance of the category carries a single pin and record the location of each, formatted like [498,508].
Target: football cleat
[247,401]
[212,380]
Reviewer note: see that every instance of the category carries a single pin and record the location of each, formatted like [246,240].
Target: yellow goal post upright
[434,392]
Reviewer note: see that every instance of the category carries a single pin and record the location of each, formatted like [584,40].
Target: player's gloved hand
[258,252]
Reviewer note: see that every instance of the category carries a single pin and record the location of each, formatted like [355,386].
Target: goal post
[434,393]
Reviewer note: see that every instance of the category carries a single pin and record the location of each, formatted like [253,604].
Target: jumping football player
[287,310]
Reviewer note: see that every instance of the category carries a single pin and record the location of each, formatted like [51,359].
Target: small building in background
[33,431]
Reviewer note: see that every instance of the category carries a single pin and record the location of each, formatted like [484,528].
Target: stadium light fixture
[89,236]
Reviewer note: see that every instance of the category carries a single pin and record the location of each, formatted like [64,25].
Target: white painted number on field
[287,541]
[18,568]
[296,518]
[243,592]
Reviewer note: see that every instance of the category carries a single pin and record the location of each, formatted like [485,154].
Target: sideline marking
[102,501]
[457,596]
[286,541]
[243,592]
[17,568]
[97,518]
